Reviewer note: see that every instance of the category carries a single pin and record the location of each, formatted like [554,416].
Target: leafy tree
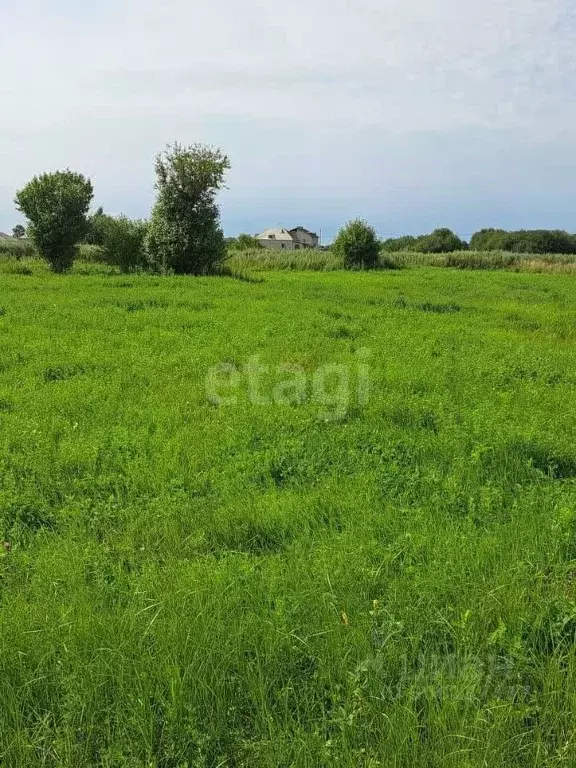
[185,235]
[442,240]
[56,205]
[18,231]
[357,244]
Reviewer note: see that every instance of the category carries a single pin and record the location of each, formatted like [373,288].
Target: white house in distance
[288,239]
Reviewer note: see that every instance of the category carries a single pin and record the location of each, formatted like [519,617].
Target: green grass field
[364,579]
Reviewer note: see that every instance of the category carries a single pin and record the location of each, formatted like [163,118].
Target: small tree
[185,234]
[56,205]
[358,245]
[18,231]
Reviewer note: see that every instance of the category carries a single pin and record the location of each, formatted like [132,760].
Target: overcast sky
[410,113]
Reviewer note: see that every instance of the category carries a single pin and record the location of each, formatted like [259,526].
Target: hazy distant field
[210,566]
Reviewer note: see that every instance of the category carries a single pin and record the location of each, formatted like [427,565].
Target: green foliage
[185,235]
[90,254]
[356,243]
[441,240]
[97,224]
[489,240]
[16,248]
[535,241]
[121,240]
[56,205]
[244,242]
[327,261]
[264,259]
[18,231]
[190,585]
[397,244]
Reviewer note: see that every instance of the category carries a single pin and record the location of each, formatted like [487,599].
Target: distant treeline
[524,241]
[520,241]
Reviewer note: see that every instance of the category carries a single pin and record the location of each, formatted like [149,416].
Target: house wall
[305,238]
[277,245]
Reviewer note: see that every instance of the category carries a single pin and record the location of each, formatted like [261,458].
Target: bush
[18,231]
[120,239]
[440,241]
[357,245]
[56,205]
[184,234]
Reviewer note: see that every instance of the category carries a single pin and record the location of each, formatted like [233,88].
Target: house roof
[303,229]
[275,233]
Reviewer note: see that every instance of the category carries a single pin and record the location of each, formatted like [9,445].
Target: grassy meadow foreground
[193,584]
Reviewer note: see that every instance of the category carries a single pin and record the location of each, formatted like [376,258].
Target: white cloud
[309,98]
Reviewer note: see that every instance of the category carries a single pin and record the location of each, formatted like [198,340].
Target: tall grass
[24,249]
[491,260]
[262,260]
[16,249]
[326,261]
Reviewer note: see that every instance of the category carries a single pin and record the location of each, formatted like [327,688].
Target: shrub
[56,205]
[184,234]
[357,245]
[440,241]
[18,231]
[120,239]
